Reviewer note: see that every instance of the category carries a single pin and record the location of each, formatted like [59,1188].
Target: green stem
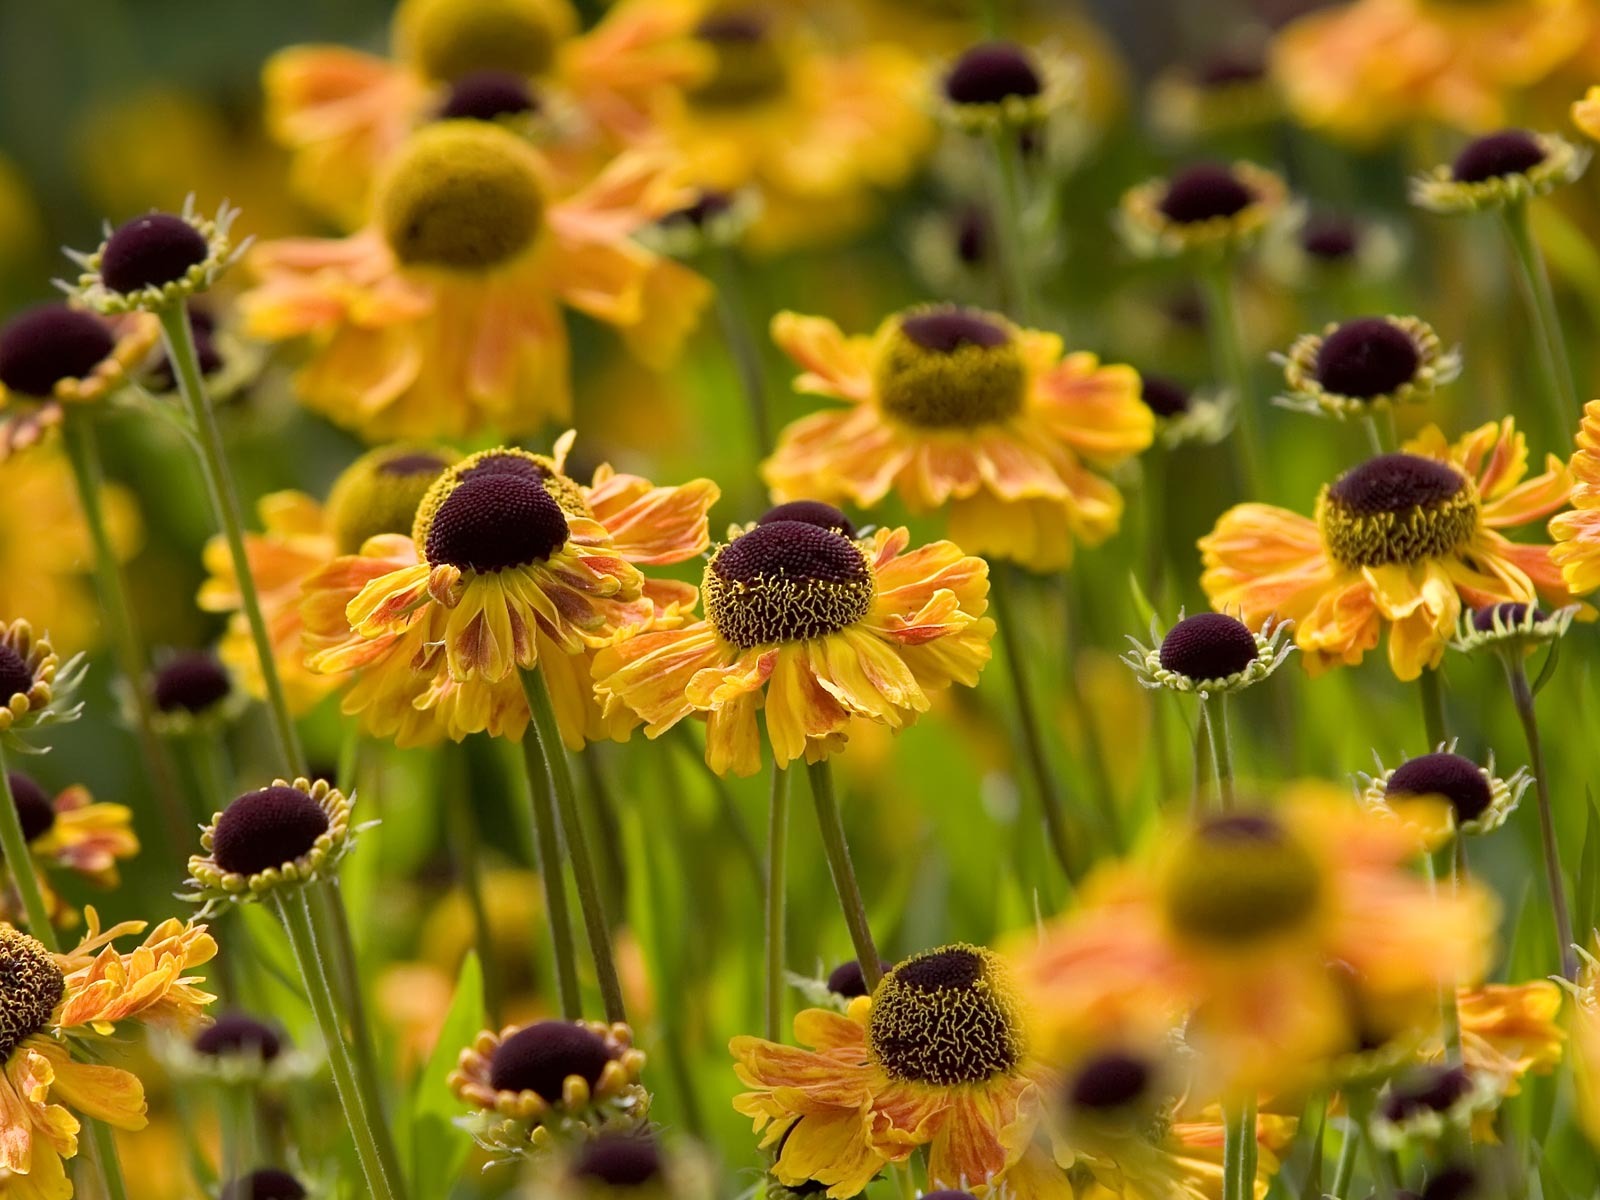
[1017,283]
[1204,759]
[742,346]
[1433,719]
[461,830]
[1556,366]
[831,826]
[547,742]
[179,339]
[1228,353]
[20,863]
[104,1144]
[547,850]
[1044,779]
[1224,755]
[1345,1167]
[294,910]
[238,1132]
[777,863]
[1522,697]
[1238,1130]
[77,433]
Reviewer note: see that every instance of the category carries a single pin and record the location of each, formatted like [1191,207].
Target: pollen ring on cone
[1397,508]
[786,581]
[947,1016]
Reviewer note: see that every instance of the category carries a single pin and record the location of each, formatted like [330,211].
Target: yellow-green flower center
[947,1016]
[31,985]
[1397,508]
[462,195]
[950,368]
[451,38]
[747,59]
[1238,879]
[786,581]
[380,491]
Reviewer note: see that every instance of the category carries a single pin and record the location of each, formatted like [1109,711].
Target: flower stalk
[1227,351]
[777,870]
[831,826]
[1554,362]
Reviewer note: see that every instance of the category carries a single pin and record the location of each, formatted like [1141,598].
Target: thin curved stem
[294,910]
[777,871]
[179,339]
[831,826]
[77,434]
[1433,718]
[547,742]
[1556,367]
[1238,1173]
[1224,755]
[20,865]
[743,347]
[1044,779]
[1016,284]
[1522,697]
[1227,351]
[1344,1167]
[106,1161]
[547,851]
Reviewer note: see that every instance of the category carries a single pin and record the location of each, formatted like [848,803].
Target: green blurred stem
[461,828]
[1238,1139]
[294,910]
[104,1144]
[742,344]
[179,339]
[1204,758]
[1229,358]
[238,1130]
[547,849]
[1556,367]
[831,826]
[1345,1167]
[1433,720]
[546,742]
[1017,285]
[777,870]
[21,865]
[1522,697]
[1223,755]
[77,433]
[1044,780]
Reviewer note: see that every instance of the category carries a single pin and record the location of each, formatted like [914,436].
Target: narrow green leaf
[1586,897]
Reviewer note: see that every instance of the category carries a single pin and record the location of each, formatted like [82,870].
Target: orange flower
[443,317]
[70,832]
[1403,541]
[823,630]
[937,1056]
[958,407]
[1511,1029]
[1577,533]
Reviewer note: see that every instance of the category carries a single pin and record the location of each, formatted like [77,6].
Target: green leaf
[1141,603]
[439,1147]
[1586,897]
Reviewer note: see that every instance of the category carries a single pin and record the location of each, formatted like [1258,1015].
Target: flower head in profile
[70,832]
[36,688]
[959,408]
[626,1163]
[1443,794]
[442,317]
[512,565]
[157,261]
[1403,542]
[1367,365]
[819,628]
[377,494]
[1513,628]
[1210,654]
[280,836]
[937,1056]
[1498,170]
[551,1081]
[55,355]
[238,1049]
[1000,85]
[53,1008]
[1232,924]
[1206,209]
[1316,248]
[1224,92]
[191,692]
[1186,415]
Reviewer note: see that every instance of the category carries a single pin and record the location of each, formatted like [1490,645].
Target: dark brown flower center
[486,95]
[239,1034]
[1238,879]
[16,677]
[1509,152]
[619,1159]
[748,64]
[1366,358]
[847,980]
[267,1183]
[1397,508]
[151,251]
[1455,778]
[190,682]
[494,521]
[267,828]
[1331,239]
[44,345]
[991,73]
[1109,1081]
[786,581]
[1511,613]
[1204,192]
[1164,397]
[1426,1089]
[31,985]
[34,810]
[1208,646]
[810,512]
[541,1057]
[946,1017]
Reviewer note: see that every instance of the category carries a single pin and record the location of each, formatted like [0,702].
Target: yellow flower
[442,317]
[815,127]
[51,1003]
[1366,70]
[511,565]
[1586,113]
[958,407]
[1577,533]
[376,494]
[73,833]
[1510,1030]
[1232,924]
[1205,209]
[823,630]
[1403,540]
[937,1056]
[345,113]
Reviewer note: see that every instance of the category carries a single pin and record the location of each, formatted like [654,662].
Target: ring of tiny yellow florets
[213,883]
[946,1017]
[771,609]
[221,254]
[1504,794]
[1484,1093]
[1060,90]
[508,1123]
[48,700]
[1531,630]
[1436,366]
[1273,645]
[1150,233]
[1439,191]
[1422,532]
[567,493]
[964,387]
